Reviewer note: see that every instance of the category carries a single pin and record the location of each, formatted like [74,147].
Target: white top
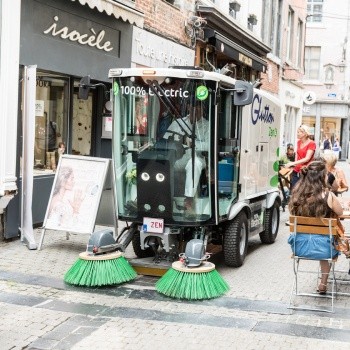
[201,130]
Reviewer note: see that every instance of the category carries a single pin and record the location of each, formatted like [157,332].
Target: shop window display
[50,121]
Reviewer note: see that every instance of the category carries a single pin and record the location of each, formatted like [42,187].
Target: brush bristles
[94,273]
[192,286]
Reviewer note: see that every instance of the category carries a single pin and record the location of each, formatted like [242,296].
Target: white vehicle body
[240,196]
[259,144]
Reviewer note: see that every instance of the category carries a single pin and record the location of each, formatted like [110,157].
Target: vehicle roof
[171,72]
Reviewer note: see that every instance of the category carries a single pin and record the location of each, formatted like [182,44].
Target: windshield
[162,148]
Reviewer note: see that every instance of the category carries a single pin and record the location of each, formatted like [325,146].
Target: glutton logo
[260,112]
[202,92]
[115,89]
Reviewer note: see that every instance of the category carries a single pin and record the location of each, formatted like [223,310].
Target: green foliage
[131,176]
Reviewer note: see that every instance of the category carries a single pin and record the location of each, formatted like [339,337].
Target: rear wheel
[271,224]
[136,244]
[236,240]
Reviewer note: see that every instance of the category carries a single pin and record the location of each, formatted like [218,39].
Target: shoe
[322,289]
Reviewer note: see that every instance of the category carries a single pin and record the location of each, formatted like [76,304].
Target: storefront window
[330,129]
[51,112]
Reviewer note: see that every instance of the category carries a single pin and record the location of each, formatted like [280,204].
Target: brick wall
[165,19]
[270,79]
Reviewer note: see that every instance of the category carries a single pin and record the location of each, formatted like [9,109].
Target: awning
[118,10]
[235,51]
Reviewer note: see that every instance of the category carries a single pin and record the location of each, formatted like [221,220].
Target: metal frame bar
[329,295]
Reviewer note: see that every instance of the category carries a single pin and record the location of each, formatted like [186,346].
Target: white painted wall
[334,31]
[9,65]
[247,7]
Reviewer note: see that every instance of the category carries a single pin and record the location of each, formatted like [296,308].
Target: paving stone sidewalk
[39,311]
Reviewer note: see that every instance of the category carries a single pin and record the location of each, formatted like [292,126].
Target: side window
[229,126]
[229,131]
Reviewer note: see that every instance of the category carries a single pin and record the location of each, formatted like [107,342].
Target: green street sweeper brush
[101,264]
[192,277]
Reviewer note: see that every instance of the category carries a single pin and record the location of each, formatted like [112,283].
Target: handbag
[341,243]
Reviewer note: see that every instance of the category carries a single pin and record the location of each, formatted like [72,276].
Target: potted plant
[252,19]
[234,5]
[131,176]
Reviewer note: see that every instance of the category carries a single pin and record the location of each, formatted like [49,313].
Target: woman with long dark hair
[311,197]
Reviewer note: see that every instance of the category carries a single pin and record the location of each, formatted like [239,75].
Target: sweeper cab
[195,156]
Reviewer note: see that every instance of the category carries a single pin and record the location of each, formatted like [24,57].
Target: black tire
[136,244]
[236,240]
[271,224]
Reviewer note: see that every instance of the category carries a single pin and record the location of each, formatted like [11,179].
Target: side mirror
[243,93]
[84,88]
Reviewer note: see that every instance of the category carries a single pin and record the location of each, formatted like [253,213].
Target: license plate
[153,225]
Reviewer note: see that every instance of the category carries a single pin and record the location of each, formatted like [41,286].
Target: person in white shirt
[179,130]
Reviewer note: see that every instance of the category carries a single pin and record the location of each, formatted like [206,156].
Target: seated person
[178,129]
[285,173]
[312,198]
[289,156]
[331,160]
[331,181]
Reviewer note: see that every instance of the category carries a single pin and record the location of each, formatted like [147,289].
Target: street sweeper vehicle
[195,157]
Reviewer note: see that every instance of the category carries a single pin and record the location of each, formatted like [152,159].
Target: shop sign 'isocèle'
[93,40]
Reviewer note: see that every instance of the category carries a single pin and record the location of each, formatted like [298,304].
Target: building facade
[261,42]
[285,34]
[326,80]
[227,37]
[257,41]
[9,61]
[291,90]
[65,41]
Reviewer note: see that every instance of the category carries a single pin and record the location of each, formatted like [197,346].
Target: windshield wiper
[155,87]
[191,134]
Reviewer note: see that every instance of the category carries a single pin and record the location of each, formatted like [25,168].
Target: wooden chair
[313,226]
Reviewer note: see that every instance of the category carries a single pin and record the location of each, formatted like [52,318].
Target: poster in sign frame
[76,194]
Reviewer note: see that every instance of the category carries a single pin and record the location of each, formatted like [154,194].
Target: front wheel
[236,240]
[136,244]
[271,224]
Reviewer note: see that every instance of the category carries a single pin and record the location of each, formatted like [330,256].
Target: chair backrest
[321,226]
[312,238]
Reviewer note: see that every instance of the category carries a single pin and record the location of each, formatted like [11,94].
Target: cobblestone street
[39,311]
